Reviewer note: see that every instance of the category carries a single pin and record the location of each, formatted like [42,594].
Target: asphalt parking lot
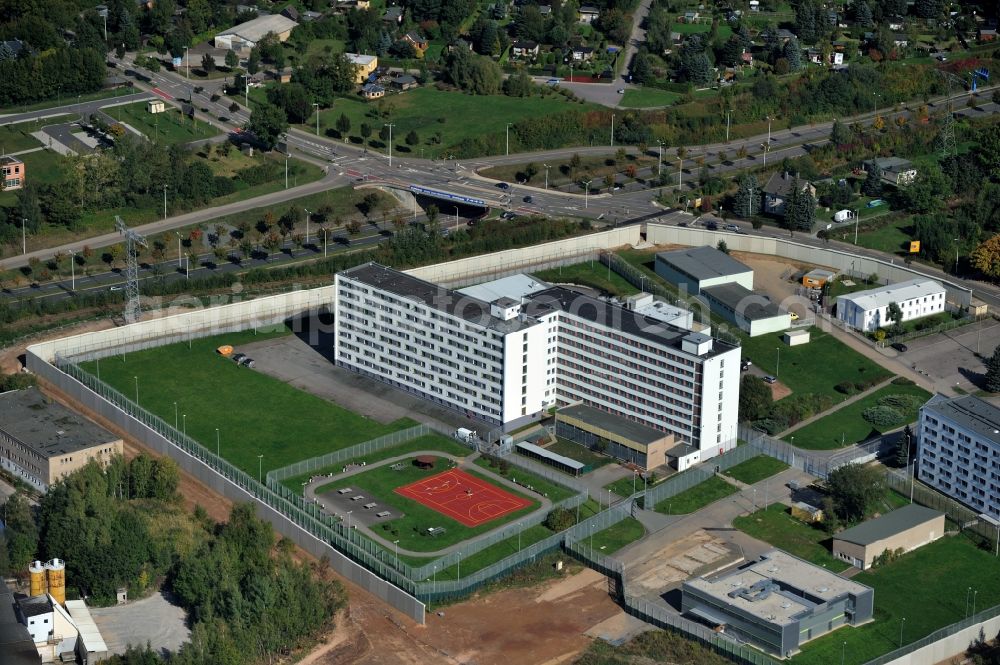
[305,360]
[154,620]
[950,358]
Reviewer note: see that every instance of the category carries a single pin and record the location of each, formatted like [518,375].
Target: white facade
[958,451]
[506,362]
[869,310]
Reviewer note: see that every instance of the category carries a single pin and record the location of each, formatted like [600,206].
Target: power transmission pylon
[132,241]
[946,139]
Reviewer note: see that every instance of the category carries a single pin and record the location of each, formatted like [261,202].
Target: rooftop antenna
[132,241]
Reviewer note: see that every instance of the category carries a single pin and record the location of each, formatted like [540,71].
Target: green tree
[232,60]
[856,490]
[793,54]
[253,61]
[412,138]
[755,398]
[366,132]
[872,186]
[20,531]
[343,125]
[268,123]
[722,247]
[746,202]
[559,519]
[208,63]
[992,378]
[839,133]
[904,447]
[895,314]
[863,14]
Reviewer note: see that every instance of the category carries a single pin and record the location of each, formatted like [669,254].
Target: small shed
[424,461]
[155,106]
[807,513]
[795,337]
[816,279]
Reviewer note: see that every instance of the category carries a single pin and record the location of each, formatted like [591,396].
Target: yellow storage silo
[57,580]
[36,575]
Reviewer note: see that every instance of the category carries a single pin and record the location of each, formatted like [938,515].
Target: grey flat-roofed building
[905,528]
[42,440]
[16,644]
[752,313]
[779,602]
[958,450]
[695,268]
[623,439]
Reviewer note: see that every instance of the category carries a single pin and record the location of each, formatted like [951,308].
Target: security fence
[939,635]
[815,465]
[687,479]
[345,454]
[636,278]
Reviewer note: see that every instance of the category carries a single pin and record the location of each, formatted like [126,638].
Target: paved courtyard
[950,359]
[154,620]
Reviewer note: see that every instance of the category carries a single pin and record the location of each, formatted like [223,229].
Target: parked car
[239,358]
[249,363]
[745,365]
[621,91]
[683,224]
[899,346]
[527,199]
[732,227]
[770,379]
[711,226]
[504,186]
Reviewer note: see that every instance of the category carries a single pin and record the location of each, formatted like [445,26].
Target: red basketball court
[463,497]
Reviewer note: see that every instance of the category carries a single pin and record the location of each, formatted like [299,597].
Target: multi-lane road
[346,165]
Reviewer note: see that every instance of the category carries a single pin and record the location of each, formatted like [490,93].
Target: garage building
[243,37]
[753,313]
[905,528]
[696,268]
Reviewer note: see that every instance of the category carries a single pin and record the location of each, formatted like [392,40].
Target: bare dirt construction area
[773,275]
[543,625]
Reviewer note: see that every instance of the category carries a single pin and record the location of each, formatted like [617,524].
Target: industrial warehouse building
[778,603]
[244,37]
[869,310]
[752,313]
[696,268]
[958,451]
[507,360]
[41,441]
[622,439]
[905,529]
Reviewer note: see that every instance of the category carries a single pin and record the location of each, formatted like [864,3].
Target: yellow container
[37,581]
[56,570]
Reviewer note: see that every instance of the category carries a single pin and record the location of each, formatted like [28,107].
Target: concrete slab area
[305,363]
[154,620]
[950,359]
[49,142]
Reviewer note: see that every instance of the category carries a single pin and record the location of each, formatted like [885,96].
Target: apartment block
[958,451]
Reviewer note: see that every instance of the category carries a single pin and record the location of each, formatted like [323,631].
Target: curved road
[461,462]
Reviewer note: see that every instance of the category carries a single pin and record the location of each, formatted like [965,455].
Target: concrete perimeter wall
[475,269]
[93,402]
[949,646]
[839,260]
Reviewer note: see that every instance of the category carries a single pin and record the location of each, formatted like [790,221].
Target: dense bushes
[882,417]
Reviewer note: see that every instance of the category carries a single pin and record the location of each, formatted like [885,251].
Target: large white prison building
[508,360]
[869,310]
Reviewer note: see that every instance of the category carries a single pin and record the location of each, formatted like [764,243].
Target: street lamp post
[24,237]
[72,270]
[767,146]
[136,390]
[260,468]
[165,200]
[396,564]
[680,172]
[857,218]
[178,249]
[187,57]
[286,171]
[547,167]
[184,424]
[390,126]
[956,256]
[316,106]
[843,653]
[777,364]
[728,113]
[901,625]
[659,159]
[507,137]
[308,215]
[586,194]
[612,130]
[217,442]
[324,243]
[175,415]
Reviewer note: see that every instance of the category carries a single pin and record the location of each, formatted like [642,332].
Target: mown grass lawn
[168,127]
[546,488]
[776,526]
[379,485]
[592,274]
[928,587]
[456,115]
[254,413]
[426,442]
[756,469]
[815,367]
[846,426]
[615,537]
[697,497]
[644,98]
